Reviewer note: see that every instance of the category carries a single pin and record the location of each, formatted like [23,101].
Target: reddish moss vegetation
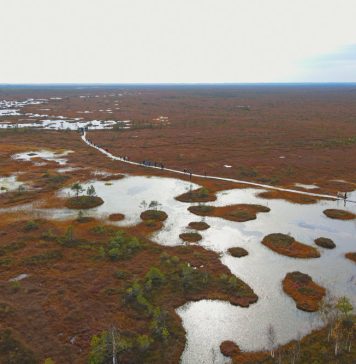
[91,277]
[202,210]
[239,213]
[116,217]
[83,202]
[238,252]
[95,267]
[12,198]
[339,214]
[199,195]
[351,256]
[229,348]
[190,237]
[288,196]
[204,120]
[111,177]
[303,290]
[287,245]
[13,351]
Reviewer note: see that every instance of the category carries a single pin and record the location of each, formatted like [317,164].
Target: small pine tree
[69,236]
[91,191]
[77,188]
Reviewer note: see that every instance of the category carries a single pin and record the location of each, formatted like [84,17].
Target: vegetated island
[238,252]
[116,217]
[351,256]
[306,293]
[287,245]
[198,225]
[199,195]
[191,237]
[239,213]
[297,198]
[339,214]
[325,243]
[83,202]
[156,215]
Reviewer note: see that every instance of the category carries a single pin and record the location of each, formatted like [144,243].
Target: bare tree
[328,313]
[293,352]
[114,348]
[155,205]
[143,204]
[271,339]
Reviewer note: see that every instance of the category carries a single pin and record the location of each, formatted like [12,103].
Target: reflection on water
[58,122]
[208,323]
[43,154]
[126,196]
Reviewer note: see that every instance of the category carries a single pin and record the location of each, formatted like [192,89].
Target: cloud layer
[177,41]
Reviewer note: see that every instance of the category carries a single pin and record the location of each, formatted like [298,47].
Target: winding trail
[253,184]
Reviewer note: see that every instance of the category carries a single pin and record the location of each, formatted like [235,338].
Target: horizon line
[7,84]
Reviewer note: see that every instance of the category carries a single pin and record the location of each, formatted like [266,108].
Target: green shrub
[150,223]
[99,229]
[158,324]
[43,258]
[164,257]
[49,361]
[102,347]
[192,279]
[12,247]
[5,310]
[15,286]
[203,192]
[155,276]
[123,246]
[135,296]
[143,342]
[31,225]
[13,351]
[69,235]
[48,235]
[5,262]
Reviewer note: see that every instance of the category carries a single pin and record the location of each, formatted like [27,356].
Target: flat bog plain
[175,223]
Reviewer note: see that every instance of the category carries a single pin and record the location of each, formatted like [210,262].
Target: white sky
[177,41]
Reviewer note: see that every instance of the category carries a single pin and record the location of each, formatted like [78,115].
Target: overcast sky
[158,41]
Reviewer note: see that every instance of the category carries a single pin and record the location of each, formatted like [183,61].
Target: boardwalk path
[253,184]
